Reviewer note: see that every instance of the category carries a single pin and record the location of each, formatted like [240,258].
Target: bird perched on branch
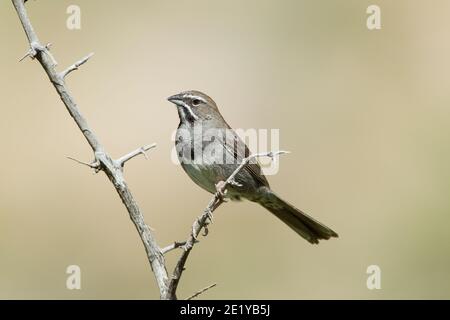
[210,151]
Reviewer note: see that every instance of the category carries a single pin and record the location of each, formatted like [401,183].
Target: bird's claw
[233,182]
[209,215]
[194,233]
[205,231]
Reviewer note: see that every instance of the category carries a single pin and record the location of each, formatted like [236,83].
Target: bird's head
[194,106]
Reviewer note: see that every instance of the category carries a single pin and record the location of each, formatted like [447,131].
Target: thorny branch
[114,168]
[103,161]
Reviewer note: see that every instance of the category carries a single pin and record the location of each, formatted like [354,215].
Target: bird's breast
[190,154]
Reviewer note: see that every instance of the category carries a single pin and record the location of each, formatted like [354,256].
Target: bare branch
[76,65]
[201,291]
[173,246]
[105,162]
[113,169]
[142,150]
[47,49]
[202,221]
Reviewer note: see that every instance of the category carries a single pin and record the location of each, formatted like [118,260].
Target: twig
[76,65]
[173,246]
[201,291]
[202,221]
[105,162]
[142,150]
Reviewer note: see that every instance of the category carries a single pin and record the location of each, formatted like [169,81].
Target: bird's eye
[195,102]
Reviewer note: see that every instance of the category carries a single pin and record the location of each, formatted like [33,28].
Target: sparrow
[209,151]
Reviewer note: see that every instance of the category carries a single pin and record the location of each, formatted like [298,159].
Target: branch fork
[119,163]
[173,246]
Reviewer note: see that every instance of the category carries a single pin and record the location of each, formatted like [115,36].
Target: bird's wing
[236,147]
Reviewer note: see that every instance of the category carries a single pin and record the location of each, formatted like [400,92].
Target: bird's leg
[219,199]
[220,190]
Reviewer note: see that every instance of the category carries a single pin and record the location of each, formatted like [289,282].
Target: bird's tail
[300,222]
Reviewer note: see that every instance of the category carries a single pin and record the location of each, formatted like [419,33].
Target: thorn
[142,150]
[25,56]
[93,165]
[30,53]
[144,154]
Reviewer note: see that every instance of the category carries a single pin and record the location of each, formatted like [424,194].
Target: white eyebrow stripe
[190,96]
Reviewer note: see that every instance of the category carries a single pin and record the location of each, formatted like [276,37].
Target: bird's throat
[186,114]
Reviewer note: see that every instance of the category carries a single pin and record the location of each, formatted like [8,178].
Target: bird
[209,151]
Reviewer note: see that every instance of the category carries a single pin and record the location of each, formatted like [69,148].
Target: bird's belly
[206,170]
[202,175]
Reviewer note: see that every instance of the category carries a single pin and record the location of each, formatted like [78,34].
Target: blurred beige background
[365,114]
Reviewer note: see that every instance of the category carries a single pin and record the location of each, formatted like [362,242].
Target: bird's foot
[209,215]
[194,233]
[233,182]
[221,191]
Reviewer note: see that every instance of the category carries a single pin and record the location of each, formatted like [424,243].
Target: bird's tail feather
[300,222]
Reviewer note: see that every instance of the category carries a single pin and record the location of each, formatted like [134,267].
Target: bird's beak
[176,99]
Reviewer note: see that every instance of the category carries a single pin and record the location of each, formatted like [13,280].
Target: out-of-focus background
[366,115]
